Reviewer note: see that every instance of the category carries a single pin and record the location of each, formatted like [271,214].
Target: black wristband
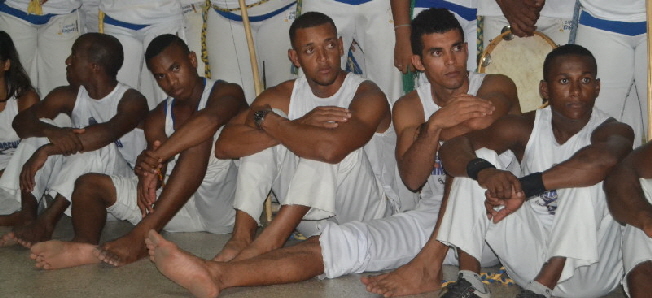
[476,165]
[532,184]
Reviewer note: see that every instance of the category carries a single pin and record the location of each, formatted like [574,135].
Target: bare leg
[277,233]
[41,229]
[243,234]
[93,194]
[638,280]
[27,214]
[551,272]
[422,274]
[207,278]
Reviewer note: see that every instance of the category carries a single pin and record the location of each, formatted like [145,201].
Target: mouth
[453,74]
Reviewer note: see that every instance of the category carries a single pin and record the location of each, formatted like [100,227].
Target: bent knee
[93,185]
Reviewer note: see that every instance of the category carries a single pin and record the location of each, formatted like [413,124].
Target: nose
[321,55]
[574,88]
[68,60]
[450,58]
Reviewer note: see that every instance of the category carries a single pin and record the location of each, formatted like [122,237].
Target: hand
[460,109]
[148,162]
[66,140]
[403,50]
[33,164]
[326,116]
[509,206]
[146,193]
[499,183]
[250,117]
[521,15]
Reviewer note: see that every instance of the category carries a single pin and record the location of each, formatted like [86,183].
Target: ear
[597,87]
[7,64]
[193,59]
[418,63]
[294,57]
[340,46]
[543,89]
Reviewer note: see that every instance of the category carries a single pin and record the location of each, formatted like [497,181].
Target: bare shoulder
[27,99]
[134,95]
[277,96]
[226,91]
[408,109]
[613,128]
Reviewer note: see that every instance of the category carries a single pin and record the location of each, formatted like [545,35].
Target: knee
[642,271]
[92,186]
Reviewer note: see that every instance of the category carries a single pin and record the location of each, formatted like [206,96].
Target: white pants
[341,193]
[372,26]
[557,29]
[637,247]
[188,219]
[618,75]
[228,52]
[59,173]
[193,23]
[43,48]
[385,243]
[134,72]
[582,231]
[89,16]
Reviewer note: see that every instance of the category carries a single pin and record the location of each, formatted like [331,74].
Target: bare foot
[36,231]
[56,254]
[410,279]
[122,251]
[231,249]
[8,240]
[181,267]
[17,218]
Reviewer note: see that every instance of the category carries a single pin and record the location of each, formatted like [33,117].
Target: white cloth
[89,16]
[623,11]
[611,37]
[9,139]
[637,247]
[193,21]
[341,192]
[371,25]
[210,208]
[44,43]
[558,9]
[573,223]
[227,47]
[390,242]
[143,20]
[51,6]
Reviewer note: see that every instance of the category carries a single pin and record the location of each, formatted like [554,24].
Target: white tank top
[89,111]
[9,139]
[144,12]
[542,152]
[52,6]
[559,9]
[621,10]
[435,184]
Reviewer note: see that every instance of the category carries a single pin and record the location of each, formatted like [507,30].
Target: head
[316,48]
[439,48]
[570,83]
[12,72]
[173,65]
[94,54]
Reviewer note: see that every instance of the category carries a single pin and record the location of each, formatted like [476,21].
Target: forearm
[240,140]
[27,125]
[626,199]
[195,131]
[417,162]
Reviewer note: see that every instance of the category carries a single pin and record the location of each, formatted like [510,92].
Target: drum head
[521,59]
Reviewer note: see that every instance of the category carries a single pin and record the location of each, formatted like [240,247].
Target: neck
[564,128]
[322,91]
[100,87]
[195,97]
[442,95]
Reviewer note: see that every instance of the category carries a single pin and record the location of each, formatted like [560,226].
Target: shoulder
[409,104]
[27,99]
[223,89]
[277,96]
[613,128]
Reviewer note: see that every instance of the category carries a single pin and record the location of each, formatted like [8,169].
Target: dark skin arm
[418,142]
[626,199]
[522,15]
[27,100]
[403,46]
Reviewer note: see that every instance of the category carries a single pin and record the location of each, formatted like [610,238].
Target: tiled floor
[19,278]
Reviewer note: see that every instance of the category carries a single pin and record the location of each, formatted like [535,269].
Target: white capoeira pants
[341,193]
[637,247]
[134,72]
[582,231]
[59,173]
[193,22]
[89,16]
[618,75]
[371,25]
[228,52]
[43,48]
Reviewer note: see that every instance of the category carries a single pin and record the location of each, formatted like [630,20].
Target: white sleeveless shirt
[9,139]
[434,187]
[542,152]
[89,111]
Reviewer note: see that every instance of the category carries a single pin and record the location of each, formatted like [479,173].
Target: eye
[176,67]
[458,48]
[586,80]
[563,80]
[309,50]
[331,45]
[437,53]
[158,76]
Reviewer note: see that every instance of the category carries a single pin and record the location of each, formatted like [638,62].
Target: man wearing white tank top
[550,228]
[104,114]
[629,194]
[198,189]
[388,242]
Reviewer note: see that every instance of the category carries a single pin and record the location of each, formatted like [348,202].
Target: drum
[521,59]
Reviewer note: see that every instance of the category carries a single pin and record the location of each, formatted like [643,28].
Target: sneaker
[529,294]
[462,288]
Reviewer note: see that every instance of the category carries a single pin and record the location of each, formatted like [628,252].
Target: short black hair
[161,42]
[567,50]
[307,20]
[432,20]
[104,50]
